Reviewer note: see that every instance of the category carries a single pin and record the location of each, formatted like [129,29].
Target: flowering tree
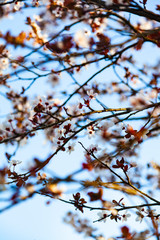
[71,72]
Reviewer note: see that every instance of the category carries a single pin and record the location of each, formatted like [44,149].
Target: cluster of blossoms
[4,60]
[36,33]
[143,99]
[113,214]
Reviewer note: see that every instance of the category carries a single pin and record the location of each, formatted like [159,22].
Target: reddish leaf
[96,196]
[125,233]
[87,166]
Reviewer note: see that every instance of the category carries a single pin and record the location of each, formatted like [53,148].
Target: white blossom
[94,148]
[18,5]
[145,24]
[102,25]
[139,217]
[14,163]
[102,215]
[91,132]
[82,38]
[125,216]
[4,64]
[91,94]
[70,147]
